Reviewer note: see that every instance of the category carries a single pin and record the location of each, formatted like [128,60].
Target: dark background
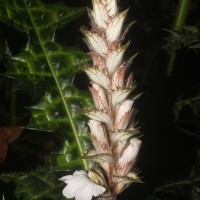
[171,140]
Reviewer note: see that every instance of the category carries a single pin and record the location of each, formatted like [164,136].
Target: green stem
[179,22]
[182,11]
[66,106]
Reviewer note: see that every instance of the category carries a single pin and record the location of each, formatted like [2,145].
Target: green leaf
[39,184]
[27,15]
[188,37]
[43,59]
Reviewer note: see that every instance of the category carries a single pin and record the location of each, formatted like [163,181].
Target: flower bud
[98,77]
[114,59]
[99,136]
[123,115]
[128,157]
[118,78]
[99,14]
[95,42]
[99,97]
[114,30]
[119,147]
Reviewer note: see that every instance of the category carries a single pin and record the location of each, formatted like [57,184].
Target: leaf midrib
[67,110]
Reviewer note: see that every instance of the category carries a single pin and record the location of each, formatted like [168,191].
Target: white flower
[81,187]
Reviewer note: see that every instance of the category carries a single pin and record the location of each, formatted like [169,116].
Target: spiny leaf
[21,14]
[46,60]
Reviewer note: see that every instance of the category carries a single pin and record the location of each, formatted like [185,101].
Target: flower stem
[179,21]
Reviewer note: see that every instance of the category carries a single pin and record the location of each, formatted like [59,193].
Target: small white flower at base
[81,187]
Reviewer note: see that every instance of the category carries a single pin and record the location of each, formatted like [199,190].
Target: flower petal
[89,190]
[66,178]
[119,147]
[81,187]
[69,192]
[84,194]
[98,190]
[74,182]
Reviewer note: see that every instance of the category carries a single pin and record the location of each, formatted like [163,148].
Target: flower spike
[115,145]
